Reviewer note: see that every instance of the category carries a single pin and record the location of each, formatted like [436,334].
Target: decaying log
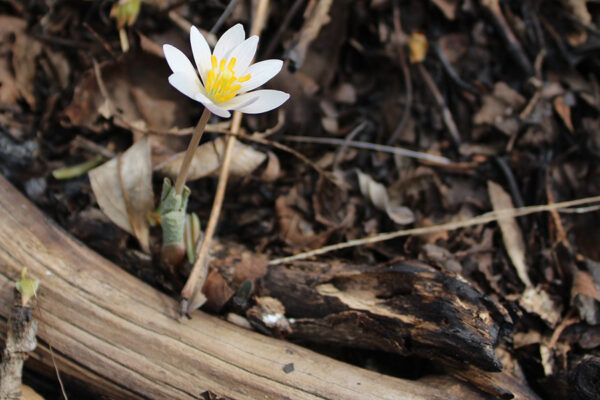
[406,308]
[124,339]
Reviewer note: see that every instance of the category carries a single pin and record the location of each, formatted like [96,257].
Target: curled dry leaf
[511,233]
[123,189]
[378,195]
[318,16]
[207,160]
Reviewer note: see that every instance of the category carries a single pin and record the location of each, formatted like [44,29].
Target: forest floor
[403,115]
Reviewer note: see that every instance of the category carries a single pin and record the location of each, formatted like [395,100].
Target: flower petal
[187,86]
[212,107]
[244,53]
[201,51]
[178,62]
[230,39]
[260,73]
[242,100]
[266,101]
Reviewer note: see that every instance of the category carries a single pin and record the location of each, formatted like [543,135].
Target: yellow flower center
[221,82]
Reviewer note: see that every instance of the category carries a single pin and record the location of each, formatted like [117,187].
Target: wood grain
[124,340]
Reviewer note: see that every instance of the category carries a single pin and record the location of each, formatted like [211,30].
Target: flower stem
[189,153]
[199,271]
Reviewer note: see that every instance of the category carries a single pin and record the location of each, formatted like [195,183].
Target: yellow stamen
[231,64]
[221,83]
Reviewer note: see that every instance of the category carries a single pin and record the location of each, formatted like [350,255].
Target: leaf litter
[505,92]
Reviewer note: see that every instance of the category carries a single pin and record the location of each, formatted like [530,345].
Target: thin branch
[223,16]
[370,146]
[479,220]
[399,45]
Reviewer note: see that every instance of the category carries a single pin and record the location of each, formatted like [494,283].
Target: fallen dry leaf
[536,300]
[448,7]
[9,88]
[25,52]
[123,189]
[563,111]
[138,91]
[378,195]
[586,297]
[511,232]
[318,16]
[499,109]
[207,160]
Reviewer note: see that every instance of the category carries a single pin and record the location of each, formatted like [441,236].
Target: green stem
[189,153]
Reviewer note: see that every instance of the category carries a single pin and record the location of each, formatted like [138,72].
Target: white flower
[227,76]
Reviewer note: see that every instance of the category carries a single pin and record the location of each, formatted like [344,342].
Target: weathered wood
[407,308]
[124,340]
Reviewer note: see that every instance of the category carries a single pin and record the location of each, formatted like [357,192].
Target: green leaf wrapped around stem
[173,212]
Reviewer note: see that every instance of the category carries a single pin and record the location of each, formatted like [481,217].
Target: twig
[479,220]
[451,72]
[191,150]
[286,22]
[370,146]
[340,152]
[223,16]
[405,72]
[510,40]
[181,22]
[60,382]
[283,147]
[199,271]
[441,102]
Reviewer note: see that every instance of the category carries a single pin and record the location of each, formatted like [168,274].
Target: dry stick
[405,72]
[513,45]
[286,21]
[200,269]
[439,99]
[191,150]
[481,219]
[370,146]
[223,16]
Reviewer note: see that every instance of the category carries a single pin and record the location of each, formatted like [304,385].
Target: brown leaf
[511,232]
[25,52]
[378,195]
[207,160]
[217,291]
[138,89]
[448,7]
[536,300]
[499,108]
[123,189]
[318,16]
[586,297]
[9,89]
[563,111]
